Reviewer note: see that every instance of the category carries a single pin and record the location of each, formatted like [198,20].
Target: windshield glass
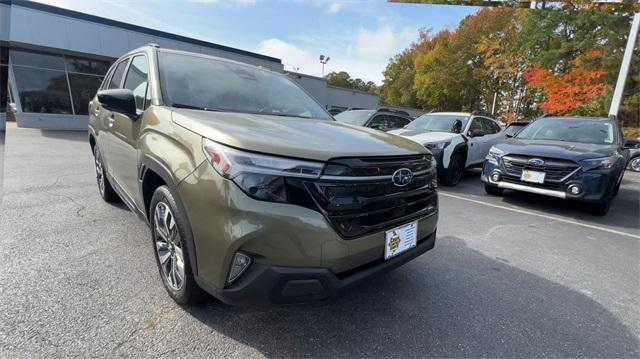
[435,122]
[513,129]
[358,118]
[205,83]
[572,130]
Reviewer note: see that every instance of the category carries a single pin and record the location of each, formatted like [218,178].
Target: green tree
[343,79]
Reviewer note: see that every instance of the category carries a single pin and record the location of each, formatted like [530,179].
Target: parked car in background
[574,158]
[382,119]
[458,140]
[253,193]
[513,128]
[634,154]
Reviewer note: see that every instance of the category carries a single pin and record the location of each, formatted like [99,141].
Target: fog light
[575,189]
[434,183]
[240,263]
[495,177]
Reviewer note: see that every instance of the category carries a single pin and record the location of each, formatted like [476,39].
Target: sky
[359,36]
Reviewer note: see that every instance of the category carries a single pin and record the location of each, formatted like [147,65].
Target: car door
[103,116]
[492,135]
[379,122]
[396,122]
[126,130]
[476,141]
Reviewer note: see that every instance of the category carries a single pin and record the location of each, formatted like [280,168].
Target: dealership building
[52,60]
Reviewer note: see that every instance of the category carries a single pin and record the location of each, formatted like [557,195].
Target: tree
[343,79]
[568,92]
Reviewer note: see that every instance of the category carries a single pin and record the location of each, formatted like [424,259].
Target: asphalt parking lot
[515,277]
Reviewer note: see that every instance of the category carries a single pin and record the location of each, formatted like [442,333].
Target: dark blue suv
[578,158]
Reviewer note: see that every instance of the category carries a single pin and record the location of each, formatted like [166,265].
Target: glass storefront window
[86,66]
[42,90]
[51,83]
[4,95]
[83,88]
[4,55]
[46,61]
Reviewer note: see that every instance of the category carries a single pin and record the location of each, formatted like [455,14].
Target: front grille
[555,169]
[357,207]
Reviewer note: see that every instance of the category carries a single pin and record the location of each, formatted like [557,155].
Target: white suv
[458,140]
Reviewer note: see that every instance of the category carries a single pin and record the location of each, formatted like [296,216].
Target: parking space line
[554,218]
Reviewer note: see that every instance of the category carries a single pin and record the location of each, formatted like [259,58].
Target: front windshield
[435,122]
[204,83]
[592,131]
[358,118]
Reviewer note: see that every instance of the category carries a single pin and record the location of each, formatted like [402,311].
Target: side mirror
[119,100]
[476,133]
[509,135]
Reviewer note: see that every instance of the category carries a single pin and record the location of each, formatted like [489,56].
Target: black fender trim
[462,146]
[151,163]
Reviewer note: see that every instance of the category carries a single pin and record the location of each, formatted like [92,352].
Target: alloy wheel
[168,246]
[635,164]
[99,172]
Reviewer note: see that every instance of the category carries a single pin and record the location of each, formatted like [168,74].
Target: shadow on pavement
[80,136]
[452,302]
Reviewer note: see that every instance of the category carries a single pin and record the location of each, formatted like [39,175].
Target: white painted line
[554,218]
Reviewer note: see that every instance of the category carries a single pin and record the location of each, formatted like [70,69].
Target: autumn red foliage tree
[569,91]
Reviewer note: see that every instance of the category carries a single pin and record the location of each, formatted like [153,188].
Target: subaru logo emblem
[536,162]
[402,177]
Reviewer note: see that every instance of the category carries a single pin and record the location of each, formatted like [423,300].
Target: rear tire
[104,187]
[453,174]
[493,190]
[170,240]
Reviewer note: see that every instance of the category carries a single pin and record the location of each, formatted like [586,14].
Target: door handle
[96,112]
[111,121]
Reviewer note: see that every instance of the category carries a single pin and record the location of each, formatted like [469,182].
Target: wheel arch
[153,174]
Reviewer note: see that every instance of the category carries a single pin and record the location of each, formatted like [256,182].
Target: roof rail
[394,111]
[153,44]
[483,113]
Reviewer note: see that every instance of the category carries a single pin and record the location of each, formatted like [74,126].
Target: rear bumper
[274,285]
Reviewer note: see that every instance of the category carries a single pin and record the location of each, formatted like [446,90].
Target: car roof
[450,113]
[578,118]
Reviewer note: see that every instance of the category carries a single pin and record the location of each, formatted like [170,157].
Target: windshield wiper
[191,107]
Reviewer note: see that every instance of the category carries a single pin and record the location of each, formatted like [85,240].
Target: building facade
[52,60]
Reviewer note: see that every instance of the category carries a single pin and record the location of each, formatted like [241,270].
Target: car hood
[296,137]
[573,151]
[424,136]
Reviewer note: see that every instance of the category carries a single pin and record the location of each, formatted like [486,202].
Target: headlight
[603,162]
[437,145]
[495,152]
[260,176]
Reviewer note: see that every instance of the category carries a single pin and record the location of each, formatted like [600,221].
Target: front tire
[634,164]
[493,190]
[453,174]
[104,187]
[170,238]
[600,209]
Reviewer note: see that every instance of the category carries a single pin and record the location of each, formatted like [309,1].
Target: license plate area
[400,239]
[532,176]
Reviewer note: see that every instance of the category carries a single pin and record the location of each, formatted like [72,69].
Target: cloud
[226,2]
[384,42]
[334,7]
[291,55]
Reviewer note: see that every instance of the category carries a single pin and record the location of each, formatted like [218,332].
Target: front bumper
[224,220]
[275,285]
[596,185]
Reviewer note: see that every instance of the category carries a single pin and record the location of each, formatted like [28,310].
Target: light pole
[323,61]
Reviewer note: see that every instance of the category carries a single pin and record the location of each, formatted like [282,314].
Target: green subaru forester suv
[253,193]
